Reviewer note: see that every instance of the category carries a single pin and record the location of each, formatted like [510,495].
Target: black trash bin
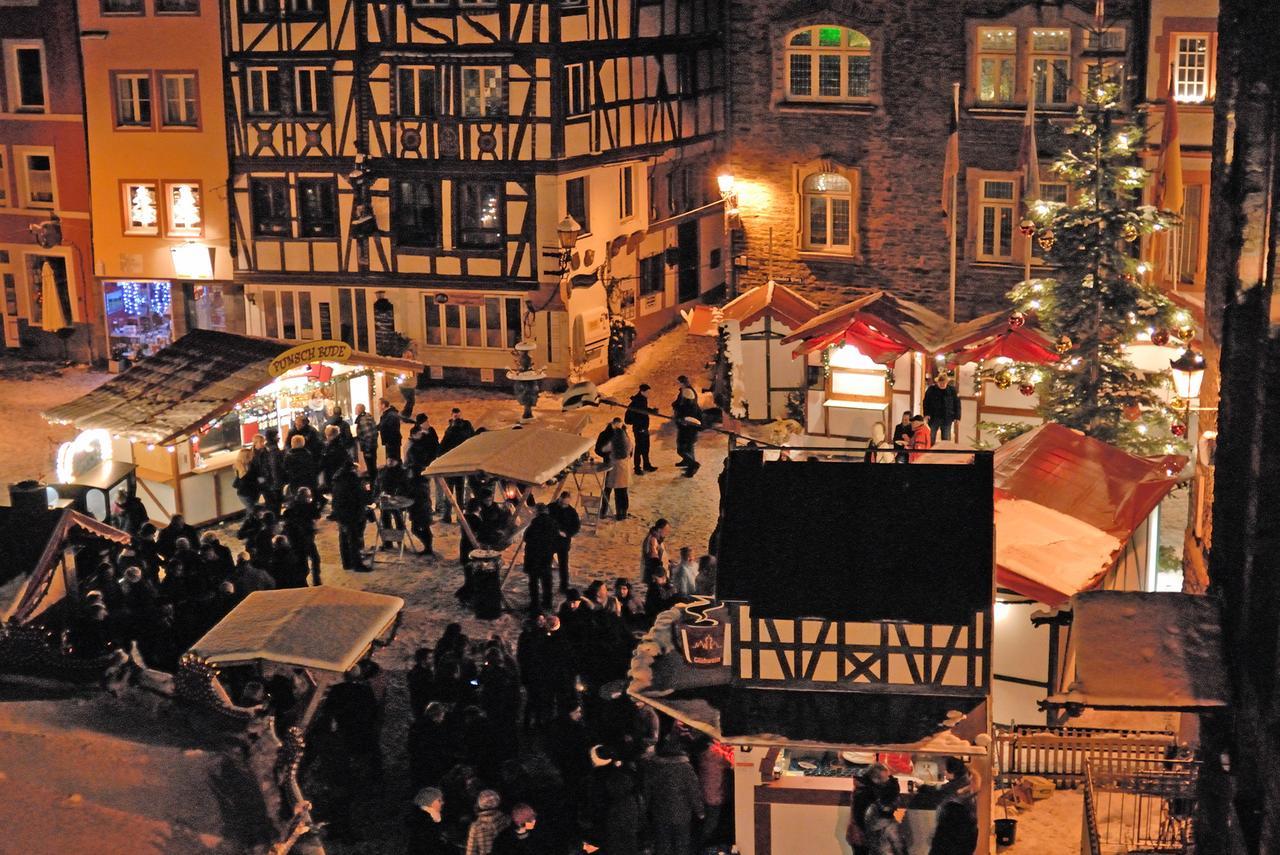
[1006,831]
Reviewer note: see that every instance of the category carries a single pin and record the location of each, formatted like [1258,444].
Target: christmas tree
[1098,303]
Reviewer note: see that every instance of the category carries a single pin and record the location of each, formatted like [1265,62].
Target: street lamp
[568,231]
[1188,374]
[728,187]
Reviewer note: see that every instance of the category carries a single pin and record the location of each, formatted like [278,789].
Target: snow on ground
[28,443]
[1048,827]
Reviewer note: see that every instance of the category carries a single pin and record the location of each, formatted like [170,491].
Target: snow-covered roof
[1144,651]
[524,455]
[1066,504]
[325,627]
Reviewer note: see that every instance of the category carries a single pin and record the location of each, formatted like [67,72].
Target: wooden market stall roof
[1066,504]
[523,455]
[325,627]
[773,299]
[884,326]
[31,542]
[199,377]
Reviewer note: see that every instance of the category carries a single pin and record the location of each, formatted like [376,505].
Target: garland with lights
[1097,303]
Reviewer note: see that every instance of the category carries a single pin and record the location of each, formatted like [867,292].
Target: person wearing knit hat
[488,824]
[426,833]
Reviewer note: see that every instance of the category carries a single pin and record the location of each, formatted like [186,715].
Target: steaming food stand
[181,415]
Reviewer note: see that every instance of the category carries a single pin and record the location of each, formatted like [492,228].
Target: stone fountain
[526,379]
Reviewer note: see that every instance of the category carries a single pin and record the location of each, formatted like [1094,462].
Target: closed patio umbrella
[53,317]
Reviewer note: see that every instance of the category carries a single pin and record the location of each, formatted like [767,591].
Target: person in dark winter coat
[311,437]
[350,504]
[286,566]
[941,406]
[674,799]
[269,461]
[522,837]
[300,527]
[688,417]
[177,529]
[541,539]
[623,815]
[458,431]
[425,824]
[345,435]
[569,524]
[366,428]
[301,469]
[389,430]
[420,511]
[424,445]
[638,419]
[333,454]
[957,829]
[866,789]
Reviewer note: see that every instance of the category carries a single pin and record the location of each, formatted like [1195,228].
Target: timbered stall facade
[402,166]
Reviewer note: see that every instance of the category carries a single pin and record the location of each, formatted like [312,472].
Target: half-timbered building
[400,169]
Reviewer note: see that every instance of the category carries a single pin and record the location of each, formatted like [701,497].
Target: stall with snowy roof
[870,360]
[765,375]
[181,415]
[843,630]
[1072,514]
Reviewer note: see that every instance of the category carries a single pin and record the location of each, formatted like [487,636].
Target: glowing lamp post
[728,187]
[1188,374]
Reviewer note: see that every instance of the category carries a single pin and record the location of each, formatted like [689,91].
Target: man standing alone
[389,430]
[942,407]
[566,517]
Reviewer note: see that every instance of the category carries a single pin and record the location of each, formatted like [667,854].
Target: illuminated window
[133,99]
[262,90]
[35,178]
[141,210]
[312,90]
[492,322]
[1051,66]
[415,214]
[827,212]
[1192,68]
[179,107]
[828,63]
[997,60]
[483,93]
[269,201]
[182,209]
[417,91]
[479,215]
[995,220]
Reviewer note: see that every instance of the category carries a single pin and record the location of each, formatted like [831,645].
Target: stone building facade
[839,119]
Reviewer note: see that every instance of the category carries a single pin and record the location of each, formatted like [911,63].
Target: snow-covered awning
[523,455]
[1066,505]
[1130,650]
[326,628]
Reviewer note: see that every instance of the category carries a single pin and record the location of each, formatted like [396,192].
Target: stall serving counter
[180,416]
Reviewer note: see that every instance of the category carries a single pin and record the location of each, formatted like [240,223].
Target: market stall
[875,647]
[313,635]
[181,415]
[1072,514]
[870,361]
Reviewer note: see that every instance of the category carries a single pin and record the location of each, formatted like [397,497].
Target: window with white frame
[1192,68]
[575,86]
[483,93]
[312,91]
[996,204]
[1051,66]
[262,90]
[27,79]
[178,88]
[626,192]
[997,64]
[141,208]
[133,99]
[417,91]
[828,63]
[489,322]
[827,212]
[35,178]
[182,209]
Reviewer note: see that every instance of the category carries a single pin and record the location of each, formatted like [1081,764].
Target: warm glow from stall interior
[94,440]
[848,356]
[850,383]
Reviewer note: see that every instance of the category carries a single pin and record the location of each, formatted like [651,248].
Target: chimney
[28,496]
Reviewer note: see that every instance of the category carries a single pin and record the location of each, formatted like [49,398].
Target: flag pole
[955,184]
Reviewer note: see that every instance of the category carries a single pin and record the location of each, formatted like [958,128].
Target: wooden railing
[1139,806]
[1059,753]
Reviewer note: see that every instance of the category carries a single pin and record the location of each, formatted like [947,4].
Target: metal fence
[1059,753]
[1139,807]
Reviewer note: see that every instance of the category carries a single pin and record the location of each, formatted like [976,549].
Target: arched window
[827,209]
[827,63]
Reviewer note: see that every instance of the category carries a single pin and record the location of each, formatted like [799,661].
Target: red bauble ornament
[1026,390]
[1132,412]
[1017,320]
[1179,430]
[1160,338]
[1027,227]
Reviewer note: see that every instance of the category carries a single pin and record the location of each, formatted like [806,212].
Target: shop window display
[139,317]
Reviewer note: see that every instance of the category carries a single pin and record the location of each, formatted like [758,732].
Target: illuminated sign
[192,261]
[304,354]
[89,449]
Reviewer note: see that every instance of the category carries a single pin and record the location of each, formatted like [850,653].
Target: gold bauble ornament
[1003,379]
[1063,344]
[1186,333]
[1129,232]
[1046,240]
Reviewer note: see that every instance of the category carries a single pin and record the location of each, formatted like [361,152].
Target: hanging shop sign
[304,354]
